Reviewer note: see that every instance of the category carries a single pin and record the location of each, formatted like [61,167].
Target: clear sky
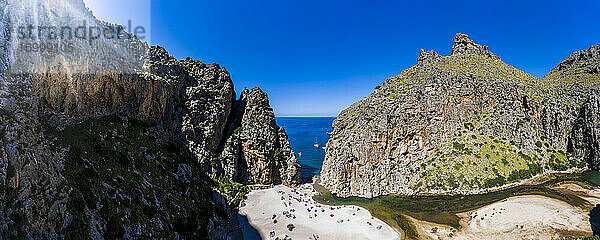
[314,58]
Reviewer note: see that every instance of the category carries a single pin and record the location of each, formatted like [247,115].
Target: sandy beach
[269,213]
[521,217]
[273,212]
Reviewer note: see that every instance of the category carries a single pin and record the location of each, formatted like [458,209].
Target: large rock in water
[464,123]
[121,140]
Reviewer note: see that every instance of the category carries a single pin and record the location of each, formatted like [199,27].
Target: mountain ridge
[462,123]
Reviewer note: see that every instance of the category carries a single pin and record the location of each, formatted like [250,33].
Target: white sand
[522,217]
[261,205]
[591,195]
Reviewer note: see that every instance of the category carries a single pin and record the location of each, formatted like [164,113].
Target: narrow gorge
[115,132]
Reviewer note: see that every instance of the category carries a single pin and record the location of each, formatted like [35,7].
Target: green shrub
[458,146]
[524,157]
[520,123]
[532,170]
[233,192]
[278,153]
[595,237]
[495,182]
[238,129]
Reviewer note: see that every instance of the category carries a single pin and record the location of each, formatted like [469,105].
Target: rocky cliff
[256,150]
[121,140]
[576,82]
[464,123]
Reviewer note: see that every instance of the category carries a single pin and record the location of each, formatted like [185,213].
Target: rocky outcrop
[585,136]
[574,86]
[575,77]
[464,45]
[463,123]
[256,150]
[121,140]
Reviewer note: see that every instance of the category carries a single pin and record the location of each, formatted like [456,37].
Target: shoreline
[533,216]
[572,198]
[273,212]
[537,215]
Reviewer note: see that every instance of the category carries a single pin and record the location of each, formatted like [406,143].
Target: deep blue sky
[318,57]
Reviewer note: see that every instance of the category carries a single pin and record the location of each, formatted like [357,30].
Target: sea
[304,133]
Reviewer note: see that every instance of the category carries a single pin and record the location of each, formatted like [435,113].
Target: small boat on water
[316,145]
[300,154]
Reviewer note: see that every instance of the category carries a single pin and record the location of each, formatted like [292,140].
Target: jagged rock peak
[158,53]
[425,56]
[256,97]
[244,92]
[464,45]
[591,57]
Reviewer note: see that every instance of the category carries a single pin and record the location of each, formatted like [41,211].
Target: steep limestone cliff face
[576,83]
[121,140]
[187,102]
[256,150]
[462,123]
[585,136]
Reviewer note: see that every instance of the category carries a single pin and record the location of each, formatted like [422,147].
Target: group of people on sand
[476,215]
[313,208]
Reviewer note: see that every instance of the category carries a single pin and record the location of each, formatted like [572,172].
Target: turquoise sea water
[303,134]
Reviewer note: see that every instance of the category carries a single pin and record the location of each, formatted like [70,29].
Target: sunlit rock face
[256,150]
[576,80]
[69,39]
[110,138]
[464,123]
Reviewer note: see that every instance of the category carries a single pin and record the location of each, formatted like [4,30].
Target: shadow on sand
[595,219]
[249,232]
